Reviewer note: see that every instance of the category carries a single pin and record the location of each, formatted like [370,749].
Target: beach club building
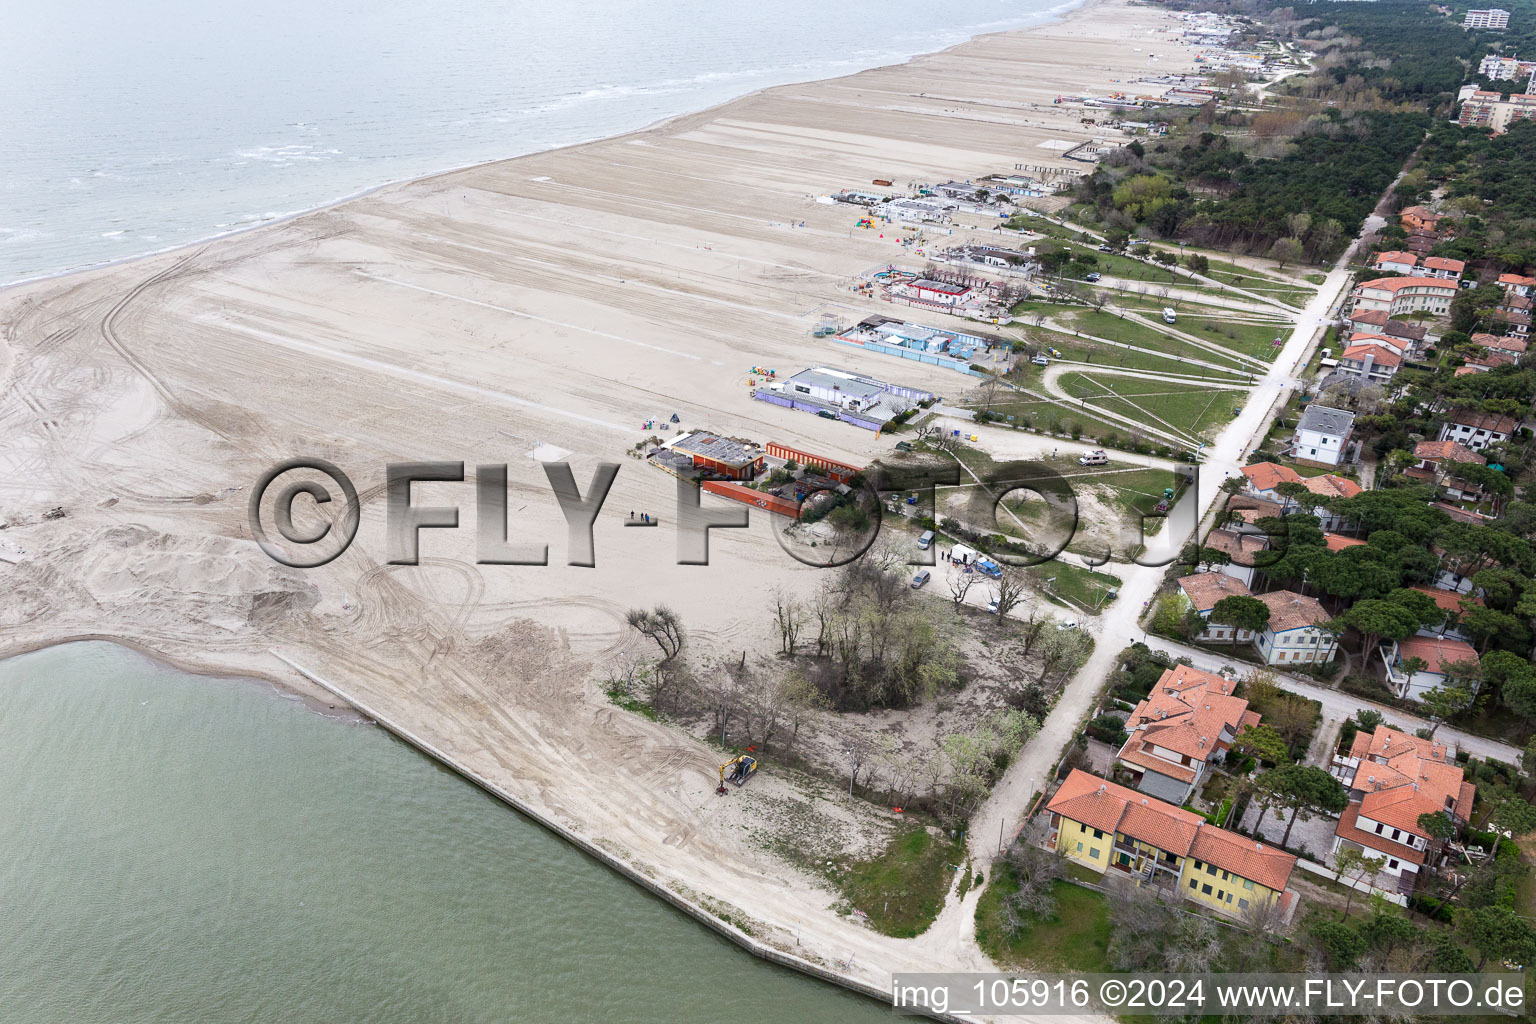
[724,457]
[1396,295]
[1107,827]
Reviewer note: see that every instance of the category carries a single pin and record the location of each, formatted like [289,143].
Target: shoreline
[1046,17]
[703,240]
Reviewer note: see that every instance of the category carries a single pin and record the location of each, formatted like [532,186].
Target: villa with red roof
[1295,634]
[1437,465]
[1443,266]
[1441,658]
[1187,721]
[1476,429]
[1392,779]
[1396,263]
[1108,827]
[1262,480]
[1375,363]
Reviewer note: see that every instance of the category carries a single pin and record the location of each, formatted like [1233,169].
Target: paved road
[1337,705]
[1004,811]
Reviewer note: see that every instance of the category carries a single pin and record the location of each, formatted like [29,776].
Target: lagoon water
[129,128]
[182,849]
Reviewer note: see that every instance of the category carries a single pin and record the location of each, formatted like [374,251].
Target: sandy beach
[560,300]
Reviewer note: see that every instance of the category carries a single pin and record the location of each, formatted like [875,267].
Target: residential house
[1398,295]
[1396,262]
[1246,512]
[1242,550]
[1262,481]
[1514,312]
[1438,653]
[1437,465]
[1450,603]
[1394,778]
[1443,267]
[1107,827]
[1379,322]
[1322,435]
[1376,364]
[1476,429]
[1187,722]
[1295,634]
[1517,283]
[1510,348]
[1203,590]
[1418,218]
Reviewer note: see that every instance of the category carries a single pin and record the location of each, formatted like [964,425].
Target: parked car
[1090,278]
[921,578]
[926,540]
[826,414]
[1041,361]
[903,446]
[992,606]
[987,567]
[1106,248]
[1094,458]
[1067,624]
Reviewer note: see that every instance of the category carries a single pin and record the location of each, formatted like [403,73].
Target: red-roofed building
[1108,827]
[1263,477]
[1392,779]
[1438,461]
[1188,721]
[1241,549]
[1517,283]
[1374,363]
[1450,602]
[1396,262]
[1376,321]
[1443,267]
[1338,542]
[1397,295]
[1443,659]
[1295,634]
[1418,218]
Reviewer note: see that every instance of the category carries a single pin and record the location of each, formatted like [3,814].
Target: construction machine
[741,769]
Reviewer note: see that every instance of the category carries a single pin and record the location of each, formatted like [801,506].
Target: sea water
[132,127]
[176,848]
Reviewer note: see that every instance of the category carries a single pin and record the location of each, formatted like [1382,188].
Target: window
[1098,834]
[1225,877]
[1079,847]
[1397,833]
[1242,904]
[1314,451]
[1247,883]
[1378,828]
[1229,897]
[1392,863]
[1205,889]
[1198,865]
[1210,869]
[1094,853]
[1193,883]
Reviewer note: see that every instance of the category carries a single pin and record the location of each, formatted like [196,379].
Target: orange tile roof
[1397,257]
[1510,343]
[1397,284]
[1379,354]
[1348,829]
[1134,752]
[1338,542]
[1245,857]
[1477,419]
[1188,711]
[1436,651]
[1103,805]
[1240,547]
[1463,370]
[1448,600]
[1204,589]
[1266,475]
[1398,345]
[1330,486]
[1447,451]
[1290,610]
[1445,263]
[1517,279]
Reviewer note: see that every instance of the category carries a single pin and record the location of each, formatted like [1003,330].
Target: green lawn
[1076,584]
[1104,324]
[902,890]
[1075,938]
[1086,350]
[1186,407]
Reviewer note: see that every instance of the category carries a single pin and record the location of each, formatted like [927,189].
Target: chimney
[1103,788]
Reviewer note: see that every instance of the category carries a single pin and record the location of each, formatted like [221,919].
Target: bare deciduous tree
[960,584]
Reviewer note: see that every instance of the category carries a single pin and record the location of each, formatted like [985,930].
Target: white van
[926,540]
[1094,458]
[1169,316]
[962,555]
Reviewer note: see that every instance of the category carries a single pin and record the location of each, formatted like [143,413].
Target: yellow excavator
[741,769]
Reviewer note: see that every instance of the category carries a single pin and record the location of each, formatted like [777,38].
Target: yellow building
[1110,828]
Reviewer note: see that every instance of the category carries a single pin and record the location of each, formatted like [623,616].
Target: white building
[1438,653]
[1396,295]
[1322,435]
[1493,17]
[1506,69]
[1294,634]
[1475,429]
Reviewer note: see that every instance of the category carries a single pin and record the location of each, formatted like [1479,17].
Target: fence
[777,398]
